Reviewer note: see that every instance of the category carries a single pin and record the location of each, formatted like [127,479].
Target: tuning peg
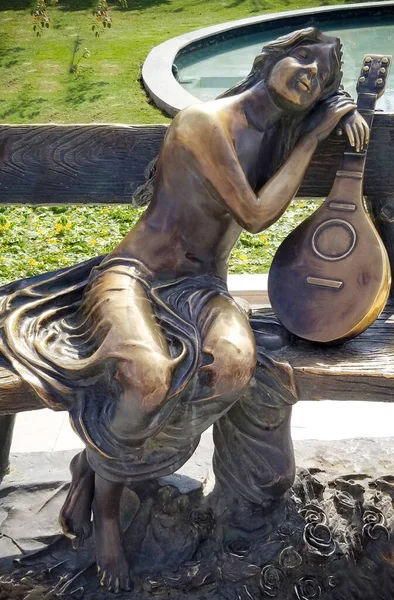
[368,59]
[382,71]
[362,80]
[384,60]
[379,81]
[365,69]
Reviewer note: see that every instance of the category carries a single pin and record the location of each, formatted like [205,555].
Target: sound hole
[334,239]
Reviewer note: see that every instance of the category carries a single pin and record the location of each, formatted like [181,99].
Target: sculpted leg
[75,516]
[143,363]
[229,340]
[112,565]
[143,374]
[254,459]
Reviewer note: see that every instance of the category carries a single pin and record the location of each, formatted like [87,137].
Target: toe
[125,584]
[115,577]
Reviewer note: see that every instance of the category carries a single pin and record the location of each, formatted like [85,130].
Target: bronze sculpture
[145,347]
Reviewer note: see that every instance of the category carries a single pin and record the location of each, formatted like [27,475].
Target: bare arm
[276,195]
[211,146]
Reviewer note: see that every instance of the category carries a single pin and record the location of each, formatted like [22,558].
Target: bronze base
[328,540]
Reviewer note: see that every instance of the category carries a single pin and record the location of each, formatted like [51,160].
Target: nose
[312,69]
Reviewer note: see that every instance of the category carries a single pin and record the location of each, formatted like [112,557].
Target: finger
[356,137]
[349,134]
[361,134]
[367,133]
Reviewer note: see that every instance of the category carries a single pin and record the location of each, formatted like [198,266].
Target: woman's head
[286,66]
[299,68]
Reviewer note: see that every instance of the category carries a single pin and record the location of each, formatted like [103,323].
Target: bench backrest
[96,164]
[104,164]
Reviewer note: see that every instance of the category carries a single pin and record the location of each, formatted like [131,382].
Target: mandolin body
[331,276]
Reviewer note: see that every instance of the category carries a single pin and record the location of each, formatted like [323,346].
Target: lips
[304,84]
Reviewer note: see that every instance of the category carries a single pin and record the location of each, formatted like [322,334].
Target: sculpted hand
[356,130]
[327,115]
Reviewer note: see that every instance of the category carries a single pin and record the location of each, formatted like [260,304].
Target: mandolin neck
[371,84]
[354,162]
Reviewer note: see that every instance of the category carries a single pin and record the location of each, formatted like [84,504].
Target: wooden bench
[104,164]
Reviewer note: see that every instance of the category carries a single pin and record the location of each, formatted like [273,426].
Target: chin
[289,105]
[286,101]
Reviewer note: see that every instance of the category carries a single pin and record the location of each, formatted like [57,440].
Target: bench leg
[6,430]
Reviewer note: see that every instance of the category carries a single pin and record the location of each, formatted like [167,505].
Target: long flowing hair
[281,138]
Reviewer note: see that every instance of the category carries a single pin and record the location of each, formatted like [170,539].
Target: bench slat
[74,164]
[15,395]
[360,369]
[103,164]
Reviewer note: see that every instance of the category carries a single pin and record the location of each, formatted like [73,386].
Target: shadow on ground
[74,5]
[10,57]
[82,89]
[24,107]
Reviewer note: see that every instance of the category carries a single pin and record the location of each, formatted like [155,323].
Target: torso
[186,230]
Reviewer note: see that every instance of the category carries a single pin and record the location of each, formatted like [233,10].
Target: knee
[147,381]
[234,363]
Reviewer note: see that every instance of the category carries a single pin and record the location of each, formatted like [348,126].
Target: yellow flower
[93,242]
[32,262]
[59,227]
[52,240]
[68,225]
[263,238]
[243,257]
[40,231]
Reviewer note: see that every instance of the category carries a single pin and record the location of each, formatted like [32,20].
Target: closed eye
[301,53]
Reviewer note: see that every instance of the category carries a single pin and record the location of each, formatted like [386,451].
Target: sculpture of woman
[148,349]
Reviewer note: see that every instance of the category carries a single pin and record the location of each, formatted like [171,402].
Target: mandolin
[330,278]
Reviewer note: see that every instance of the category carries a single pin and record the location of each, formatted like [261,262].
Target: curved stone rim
[171,97]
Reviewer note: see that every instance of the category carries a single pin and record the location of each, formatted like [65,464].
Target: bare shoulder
[199,121]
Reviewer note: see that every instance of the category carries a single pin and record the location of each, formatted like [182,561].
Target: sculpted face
[298,79]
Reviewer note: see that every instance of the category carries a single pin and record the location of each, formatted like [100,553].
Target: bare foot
[75,516]
[112,565]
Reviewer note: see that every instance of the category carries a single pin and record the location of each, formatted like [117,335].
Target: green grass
[42,239]
[37,87]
